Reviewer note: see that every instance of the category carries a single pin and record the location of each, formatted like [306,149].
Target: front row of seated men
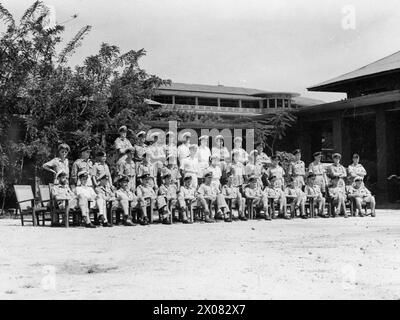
[167,198]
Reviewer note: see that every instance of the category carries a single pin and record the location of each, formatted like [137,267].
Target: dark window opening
[250,104]
[185,100]
[208,102]
[229,103]
[163,99]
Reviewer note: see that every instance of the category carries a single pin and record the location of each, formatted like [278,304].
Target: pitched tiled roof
[220,89]
[388,63]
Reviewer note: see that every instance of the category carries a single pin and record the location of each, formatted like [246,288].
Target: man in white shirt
[190,165]
[203,155]
[183,149]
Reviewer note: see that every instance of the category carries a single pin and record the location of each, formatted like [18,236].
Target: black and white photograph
[217,151]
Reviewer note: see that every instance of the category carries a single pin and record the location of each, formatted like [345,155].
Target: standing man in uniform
[337,170]
[318,169]
[355,170]
[83,163]
[243,156]
[183,149]
[190,165]
[221,152]
[101,167]
[203,156]
[127,168]
[276,171]
[297,170]
[59,163]
[170,148]
[122,143]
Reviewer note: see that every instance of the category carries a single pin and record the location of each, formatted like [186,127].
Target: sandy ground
[357,258]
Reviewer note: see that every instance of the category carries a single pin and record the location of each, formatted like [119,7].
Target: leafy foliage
[43,101]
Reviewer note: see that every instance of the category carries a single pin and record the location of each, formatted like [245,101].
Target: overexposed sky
[278,45]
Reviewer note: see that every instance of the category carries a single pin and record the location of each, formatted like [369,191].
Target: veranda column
[381,153]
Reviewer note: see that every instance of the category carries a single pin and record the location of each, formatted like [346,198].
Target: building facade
[367,122]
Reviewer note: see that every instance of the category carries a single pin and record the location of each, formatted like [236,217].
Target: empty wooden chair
[27,205]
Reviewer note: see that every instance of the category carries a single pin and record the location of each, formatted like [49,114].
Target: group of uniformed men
[174,177]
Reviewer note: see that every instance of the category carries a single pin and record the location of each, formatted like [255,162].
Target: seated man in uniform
[313,190]
[296,196]
[126,196]
[187,193]
[209,192]
[104,195]
[167,193]
[337,192]
[172,168]
[362,196]
[229,191]
[146,196]
[259,200]
[274,191]
[61,192]
[86,195]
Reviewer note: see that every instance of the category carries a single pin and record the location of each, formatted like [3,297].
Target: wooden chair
[169,204]
[190,208]
[46,201]
[26,203]
[229,202]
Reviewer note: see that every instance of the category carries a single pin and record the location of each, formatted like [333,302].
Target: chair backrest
[44,193]
[22,193]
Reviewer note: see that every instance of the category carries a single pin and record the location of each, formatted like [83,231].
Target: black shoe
[106,225]
[268,218]
[228,220]
[287,217]
[166,221]
[186,221]
[304,217]
[243,218]
[90,225]
[208,220]
[128,223]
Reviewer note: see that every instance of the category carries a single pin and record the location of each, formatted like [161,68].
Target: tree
[43,101]
[272,129]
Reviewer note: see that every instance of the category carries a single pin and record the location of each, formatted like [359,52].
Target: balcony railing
[222,110]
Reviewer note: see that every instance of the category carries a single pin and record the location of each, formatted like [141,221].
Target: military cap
[274,157]
[166,174]
[253,152]
[311,175]
[169,133]
[103,176]
[85,148]
[101,154]
[271,178]
[204,137]
[187,177]
[129,149]
[153,135]
[64,146]
[296,151]
[123,129]
[219,137]
[356,155]
[358,179]
[140,133]
[237,139]
[144,176]
[208,174]
[336,155]
[186,134]
[60,174]
[83,173]
[252,178]
[123,179]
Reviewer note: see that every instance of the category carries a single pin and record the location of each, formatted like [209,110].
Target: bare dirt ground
[357,258]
